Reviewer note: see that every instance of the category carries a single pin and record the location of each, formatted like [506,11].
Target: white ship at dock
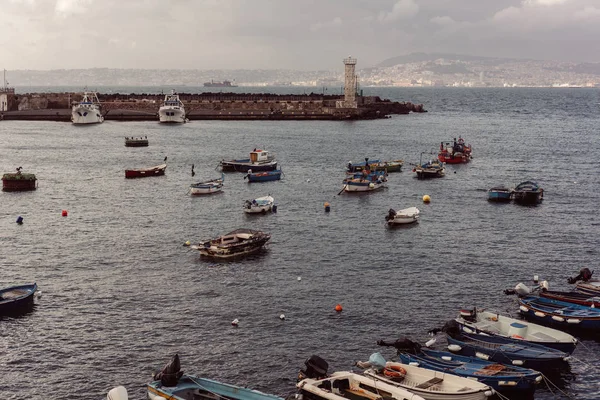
[88,110]
[172,109]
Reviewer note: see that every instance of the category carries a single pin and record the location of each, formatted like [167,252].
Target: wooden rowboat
[145,172]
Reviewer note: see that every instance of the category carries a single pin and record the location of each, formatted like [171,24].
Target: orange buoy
[64,213]
[338,308]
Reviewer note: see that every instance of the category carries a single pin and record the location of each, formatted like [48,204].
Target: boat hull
[500,378]
[245,165]
[86,115]
[196,190]
[12,184]
[171,115]
[266,176]
[560,314]
[582,299]
[361,187]
[428,174]
[500,196]
[146,172]
[17,299]
[456,159]
[136,143]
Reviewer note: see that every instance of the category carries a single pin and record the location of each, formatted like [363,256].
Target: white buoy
[38,293]
[299,278]
[282,317]
[430,342]
[235,322]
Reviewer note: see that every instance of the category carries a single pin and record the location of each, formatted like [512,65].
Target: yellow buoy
[187,243]
[426,199]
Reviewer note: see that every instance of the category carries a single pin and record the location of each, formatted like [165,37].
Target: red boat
[458,153]
[144,172]
[582,299]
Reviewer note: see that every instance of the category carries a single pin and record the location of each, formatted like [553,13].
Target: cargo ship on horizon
[219,84]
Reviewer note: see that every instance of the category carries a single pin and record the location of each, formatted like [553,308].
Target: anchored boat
[157,170]
[264,176]
[560,313]
[260,160]
[430,169]
[405,216]
[238,243]
[365,181]
[457,153]
[528,192]
[88,110]
[207,187]
[260,205]
[489,323]
[136,142]
[16,299]
[427,383]
[499,194]
[172,109]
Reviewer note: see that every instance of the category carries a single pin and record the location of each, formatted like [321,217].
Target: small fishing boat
[16,299]
[375,165]
[457,153]
[171,383]
[591,287]
[499,194]
[365,181]
[430,169]
[489,323]
[559,313]
[427,383]
[528,192]
[146,172]
[504,350]
[581,298]
[405,216]
[260,160]
[18,181]
[207,187]
[238,243]
[263,176]
[136,141]
[501,378]
[316,384]
[260,205]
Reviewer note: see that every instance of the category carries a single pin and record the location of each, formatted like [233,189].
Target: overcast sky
[301,34]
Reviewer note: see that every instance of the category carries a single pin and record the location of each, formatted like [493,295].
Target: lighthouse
[349,84]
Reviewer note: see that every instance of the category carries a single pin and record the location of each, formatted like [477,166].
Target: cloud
[544,2]
[403,9]
[336,22]
[65,8]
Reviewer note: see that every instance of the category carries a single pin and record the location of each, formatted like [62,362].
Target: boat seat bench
[429,383]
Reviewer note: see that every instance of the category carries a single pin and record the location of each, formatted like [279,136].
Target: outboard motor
[520,290]
[170,374]
[316,368]
[584,275]
[402,345]
[469,314]
[391,214]
[452,328]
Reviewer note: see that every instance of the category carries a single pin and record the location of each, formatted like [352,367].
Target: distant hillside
[428,57]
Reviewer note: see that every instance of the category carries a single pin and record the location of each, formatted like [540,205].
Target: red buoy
[64,213]
[338,308]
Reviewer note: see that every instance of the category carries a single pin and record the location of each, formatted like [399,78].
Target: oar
[342,189]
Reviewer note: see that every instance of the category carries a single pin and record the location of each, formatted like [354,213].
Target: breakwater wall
[226,106]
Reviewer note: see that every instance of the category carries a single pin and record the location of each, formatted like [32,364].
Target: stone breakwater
[225,106]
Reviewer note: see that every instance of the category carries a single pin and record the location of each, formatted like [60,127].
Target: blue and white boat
[505,350]
[265,176]
[502,378]
[260,160]
[17,299]
[171,383]
[560,313]
[491,323]
[365,181]
[499,194]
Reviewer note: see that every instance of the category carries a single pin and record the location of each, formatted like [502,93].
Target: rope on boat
[501,396]
[585,363]
[548,382]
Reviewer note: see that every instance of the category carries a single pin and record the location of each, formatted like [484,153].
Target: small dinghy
[146,172]
[235,244]
[17,299]
[488,323]
[427,383]
[136,141]
[502,378]
[171,383]
[500,194]
[316,384]
[207,187]
[365,181]
[528,192]
[264,176]
[405,216]
[260,205]
[430,169]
